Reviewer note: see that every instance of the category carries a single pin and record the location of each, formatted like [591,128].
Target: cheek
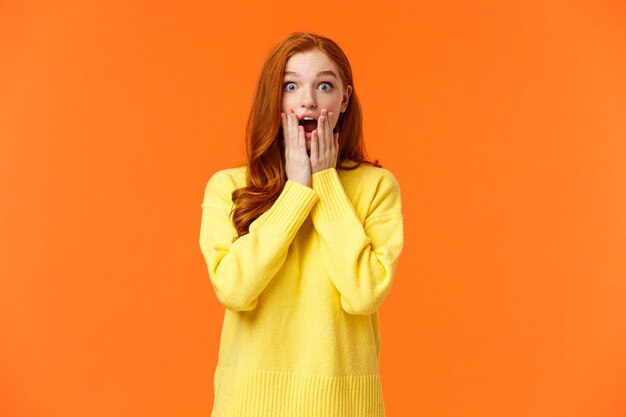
[336,107]
[286,104]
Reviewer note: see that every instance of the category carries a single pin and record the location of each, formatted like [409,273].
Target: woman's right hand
[298,164]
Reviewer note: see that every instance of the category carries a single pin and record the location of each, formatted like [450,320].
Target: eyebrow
[327,72]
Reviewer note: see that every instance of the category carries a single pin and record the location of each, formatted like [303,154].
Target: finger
[314,145]
[336,142]
[288,131]
[301,139]
[330,144]
[321,128]
[293,130]
[331,139]
[321,137]
[329,133]
[328,127]
[297,128]
[283,123]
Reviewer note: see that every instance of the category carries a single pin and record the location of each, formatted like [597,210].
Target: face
[311,83]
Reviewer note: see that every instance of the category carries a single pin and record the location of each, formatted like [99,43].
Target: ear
[346,98]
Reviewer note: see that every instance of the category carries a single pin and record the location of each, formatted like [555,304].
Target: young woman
[301,245]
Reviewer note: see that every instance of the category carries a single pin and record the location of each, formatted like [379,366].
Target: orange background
[504,124]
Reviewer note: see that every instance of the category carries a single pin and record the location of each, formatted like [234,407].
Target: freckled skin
[309,93]
[311,86]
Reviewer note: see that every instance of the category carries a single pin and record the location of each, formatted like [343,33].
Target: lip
[308,115]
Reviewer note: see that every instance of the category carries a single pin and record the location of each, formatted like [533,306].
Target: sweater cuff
[333,201]
[291,207]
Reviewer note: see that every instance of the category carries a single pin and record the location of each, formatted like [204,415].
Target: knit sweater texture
[300,335]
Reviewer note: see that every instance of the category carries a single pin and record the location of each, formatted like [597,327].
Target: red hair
[266,174]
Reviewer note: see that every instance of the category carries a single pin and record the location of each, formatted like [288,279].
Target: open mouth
[309,124]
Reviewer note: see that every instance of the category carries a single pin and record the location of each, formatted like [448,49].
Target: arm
[360,259]
[240,270]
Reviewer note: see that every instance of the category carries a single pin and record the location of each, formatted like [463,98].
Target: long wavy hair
[266,175]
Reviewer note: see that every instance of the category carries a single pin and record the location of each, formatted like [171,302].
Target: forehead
[310,63]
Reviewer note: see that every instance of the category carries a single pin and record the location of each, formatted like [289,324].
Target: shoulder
[235,175]
[375,190]
[222,183]
[380,178]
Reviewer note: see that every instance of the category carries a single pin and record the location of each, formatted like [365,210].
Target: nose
[308,99]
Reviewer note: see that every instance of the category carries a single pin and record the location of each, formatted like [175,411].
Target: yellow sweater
[300,336]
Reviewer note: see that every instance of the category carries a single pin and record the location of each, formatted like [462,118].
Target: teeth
[308,118]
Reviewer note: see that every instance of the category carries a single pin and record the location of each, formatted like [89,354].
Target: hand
[298,164]
[324,144]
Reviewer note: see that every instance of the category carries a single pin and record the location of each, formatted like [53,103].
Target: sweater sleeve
[239,271]
[359,258]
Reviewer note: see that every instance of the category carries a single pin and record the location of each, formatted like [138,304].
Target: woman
[301,245]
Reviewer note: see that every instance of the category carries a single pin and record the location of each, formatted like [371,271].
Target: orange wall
[505,126]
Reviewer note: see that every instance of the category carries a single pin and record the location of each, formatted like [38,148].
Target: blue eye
[329,84]
[287,83]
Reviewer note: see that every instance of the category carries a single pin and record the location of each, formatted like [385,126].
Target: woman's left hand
[324,144]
